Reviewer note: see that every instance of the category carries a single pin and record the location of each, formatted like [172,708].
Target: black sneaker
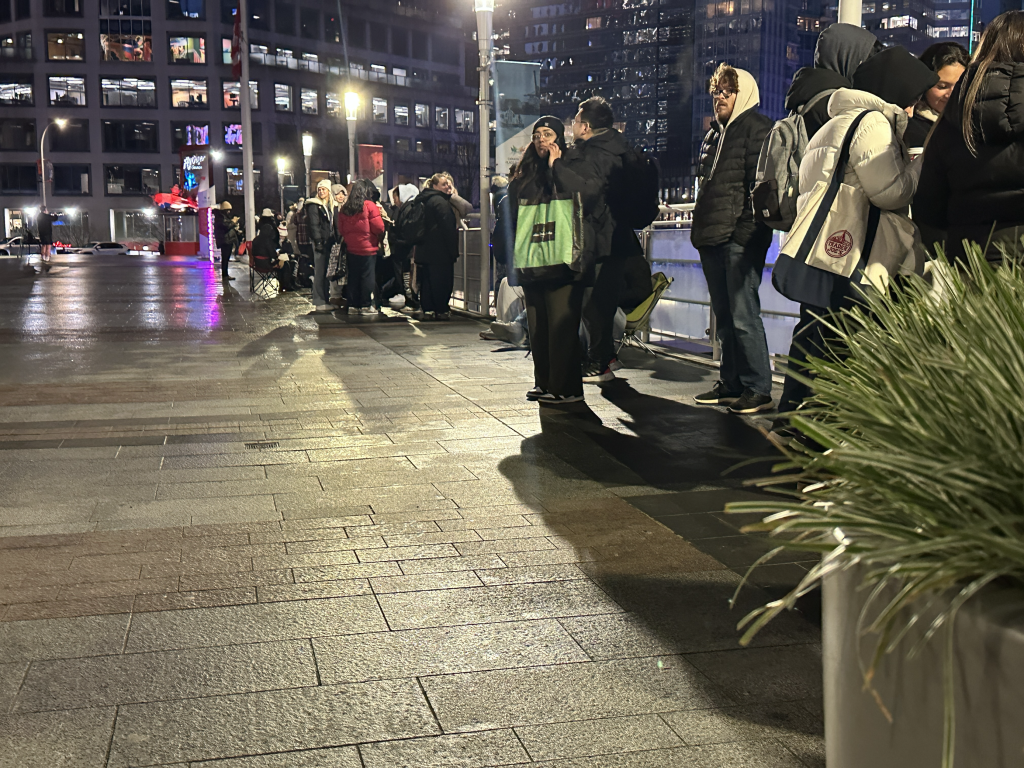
[549,399]
[718,395]
[535,394]
[596,374]
[751,402]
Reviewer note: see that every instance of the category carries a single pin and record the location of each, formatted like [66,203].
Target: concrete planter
[989,673]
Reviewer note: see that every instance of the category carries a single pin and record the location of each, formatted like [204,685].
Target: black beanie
[556,125]
[896,76]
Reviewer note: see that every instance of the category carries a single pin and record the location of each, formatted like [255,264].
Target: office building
[138,79]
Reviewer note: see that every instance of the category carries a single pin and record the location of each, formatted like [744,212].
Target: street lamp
[60,122]
[282,164]
[484,34]
[307,153]
[351,115]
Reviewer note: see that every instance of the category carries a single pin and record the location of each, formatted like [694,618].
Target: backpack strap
[817,97]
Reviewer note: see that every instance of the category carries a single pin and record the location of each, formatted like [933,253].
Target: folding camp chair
[638,321]
[262,276]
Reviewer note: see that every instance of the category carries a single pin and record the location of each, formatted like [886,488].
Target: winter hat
[896,76]
[406,192]
[556,125]
[267,212]
[842,48]
[325,184]
[336,189]
[225,206]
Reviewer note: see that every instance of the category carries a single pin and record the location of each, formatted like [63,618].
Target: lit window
[67,91]
[380,110]
[422,116]
[441,118]
[464,120]
[16,91]
[187,50]
[309,101]
[188,94]
[128,92]
[233,94]
[401,114]
[335,108]
[594,22]
[283,98]
[65,46]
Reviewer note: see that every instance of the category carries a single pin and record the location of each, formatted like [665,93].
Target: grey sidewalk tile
[11,675]
[146,677]
[63,638]
[334,544]
[199,582]
[340,572]
[481,524]
[309,560]
[450,564]
[207,598]
[438,651]
[226,488]
[430,537]
[73,739]
[530,574]
[443,509]
[276,593]
[276,721]
[738,755]
[60,609]
[749,675]
[474,750]
[388,584]
[750,723]
[240,624]
[339,757]
[504,545]
[450,607]
[394,529]
[507,698]
[420,552]
[583,738]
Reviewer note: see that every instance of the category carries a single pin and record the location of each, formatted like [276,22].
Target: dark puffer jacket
[267,240]
[598,160]
[440,246]
[723,212]
[966,195]
[319,224]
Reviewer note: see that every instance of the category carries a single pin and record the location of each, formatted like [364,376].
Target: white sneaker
[324,307]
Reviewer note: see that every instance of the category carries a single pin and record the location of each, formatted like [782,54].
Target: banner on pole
[516,109]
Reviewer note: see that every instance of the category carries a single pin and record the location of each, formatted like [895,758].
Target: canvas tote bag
[837,227]
[549,239]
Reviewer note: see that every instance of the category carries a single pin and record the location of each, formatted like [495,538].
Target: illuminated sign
[193,162]
[233,135]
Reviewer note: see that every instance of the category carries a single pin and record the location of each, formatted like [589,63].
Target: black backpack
[411,224]
[635,202]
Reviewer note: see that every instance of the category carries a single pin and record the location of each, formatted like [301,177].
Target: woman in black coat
[437,253]
[972,181]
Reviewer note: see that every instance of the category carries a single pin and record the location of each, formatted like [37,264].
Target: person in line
[44,225]
[732,244]
[264,246]
[320,213]
[554,304]
[840,51]
[597,153]
[221,228]
[437,254]
[337,285]
[286,267]
[972,179]
[361,227]
[401,252]
[292,226]
[948,60]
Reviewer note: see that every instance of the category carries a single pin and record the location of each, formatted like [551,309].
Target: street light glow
[149,213]
[72,211]
[217,155]
[307,145]
[351,105]
[282,164]
[483,5]
[61,122]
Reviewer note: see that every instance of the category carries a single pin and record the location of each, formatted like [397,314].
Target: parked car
[19,246]
[99,248]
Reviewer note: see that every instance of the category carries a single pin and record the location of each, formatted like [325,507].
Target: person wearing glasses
[731,244]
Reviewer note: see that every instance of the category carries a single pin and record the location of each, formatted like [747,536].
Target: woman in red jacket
[361,227]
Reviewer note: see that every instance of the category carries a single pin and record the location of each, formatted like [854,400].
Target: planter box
[989,675]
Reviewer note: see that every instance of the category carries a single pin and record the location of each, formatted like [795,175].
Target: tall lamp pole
[484,36]
[850,12]
[351,115]
[282,164]
[60,122]
[307,154]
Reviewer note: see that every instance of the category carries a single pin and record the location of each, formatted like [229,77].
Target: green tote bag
[549,239]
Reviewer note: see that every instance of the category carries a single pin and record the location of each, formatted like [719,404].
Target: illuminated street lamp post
[484,34]
[282,164]
[60,122]
[351,115]
[307,154]
[850,12]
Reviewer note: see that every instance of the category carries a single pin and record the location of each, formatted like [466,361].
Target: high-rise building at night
[916,24]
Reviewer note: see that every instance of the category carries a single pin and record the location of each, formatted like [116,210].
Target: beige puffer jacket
[879,166]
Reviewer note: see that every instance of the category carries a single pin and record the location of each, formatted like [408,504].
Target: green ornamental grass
[919,470]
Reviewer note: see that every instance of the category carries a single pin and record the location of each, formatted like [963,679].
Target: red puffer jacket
[363,232]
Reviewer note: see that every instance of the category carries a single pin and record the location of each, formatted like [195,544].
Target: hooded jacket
[967,195]
[598,161]
[440,245]
[727,170]
[841,49]
[267,239]
[920,125]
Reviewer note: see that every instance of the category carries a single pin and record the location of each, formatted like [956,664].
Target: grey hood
[842,48]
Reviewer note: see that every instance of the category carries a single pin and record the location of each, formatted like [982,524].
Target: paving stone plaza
[234,535]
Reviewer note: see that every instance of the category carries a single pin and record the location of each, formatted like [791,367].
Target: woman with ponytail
[361,228]
[972,180]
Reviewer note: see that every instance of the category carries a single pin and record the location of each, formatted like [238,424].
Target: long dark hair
[1001,43]
[356,198]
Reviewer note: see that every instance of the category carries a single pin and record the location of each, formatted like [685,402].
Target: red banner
[236,47]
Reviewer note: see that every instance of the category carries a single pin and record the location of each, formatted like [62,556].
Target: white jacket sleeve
[885,173]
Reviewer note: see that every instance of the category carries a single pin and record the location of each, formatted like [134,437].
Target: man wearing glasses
[732,245]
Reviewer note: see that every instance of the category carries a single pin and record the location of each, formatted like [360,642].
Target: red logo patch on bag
[839,244]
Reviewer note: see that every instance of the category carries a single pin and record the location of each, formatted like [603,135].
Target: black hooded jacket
[267,238]
[966,195]
[598,160]
[808,83]
[440,246]
[723,212]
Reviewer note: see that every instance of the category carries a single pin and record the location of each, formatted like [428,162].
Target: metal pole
[247,176]
[850,12]
[484,35]
[352,151]
[42,161]
[280,187]
[309,189]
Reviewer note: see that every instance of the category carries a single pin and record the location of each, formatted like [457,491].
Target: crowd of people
[354,250]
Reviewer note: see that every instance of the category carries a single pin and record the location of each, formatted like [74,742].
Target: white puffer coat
[879,166]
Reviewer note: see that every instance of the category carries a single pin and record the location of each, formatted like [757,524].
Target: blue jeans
[733,273]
